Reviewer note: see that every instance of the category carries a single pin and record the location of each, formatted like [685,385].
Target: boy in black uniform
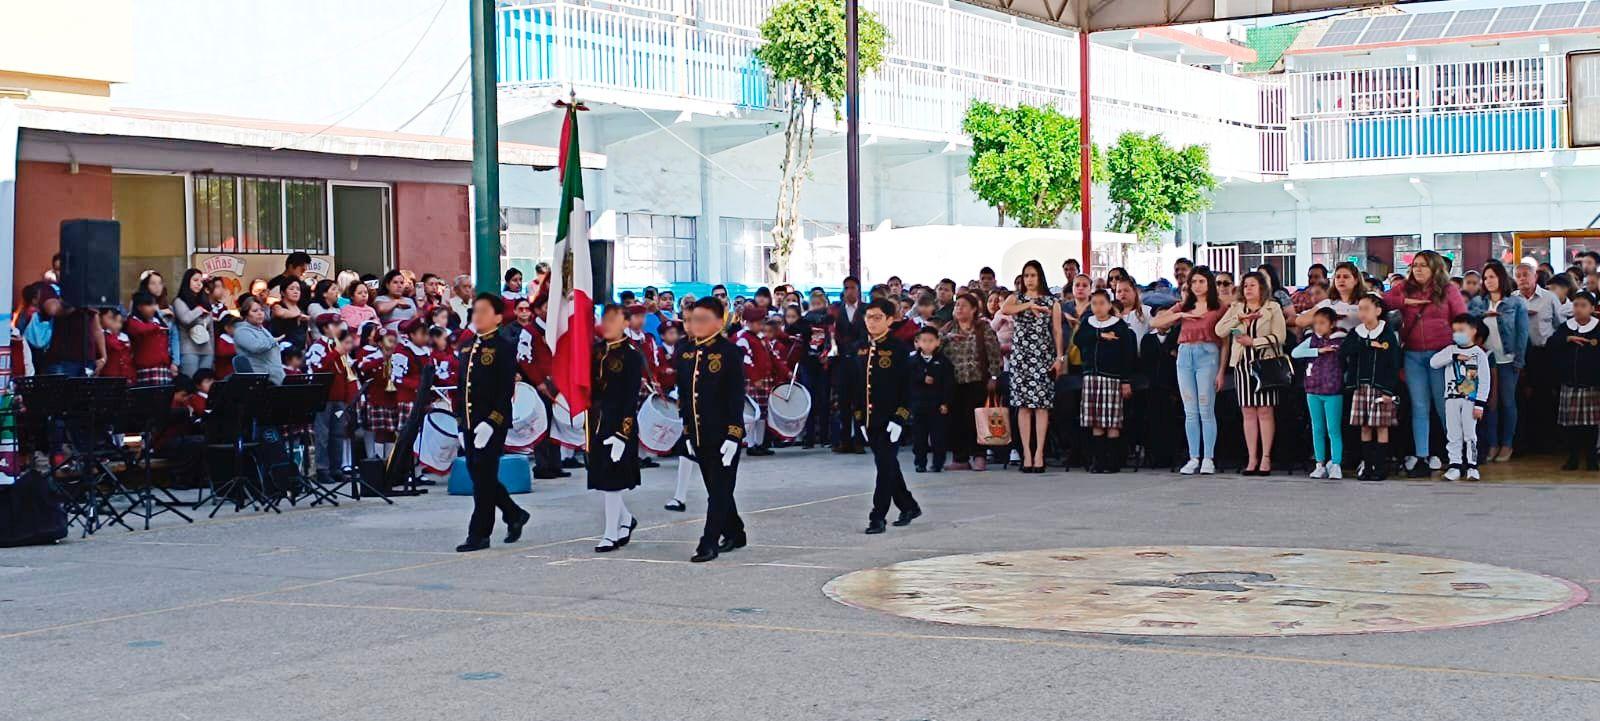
[613,427]
[484,417]
[710,371]
[882,374]
[932,381]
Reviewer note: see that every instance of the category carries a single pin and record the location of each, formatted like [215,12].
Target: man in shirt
[1544,313]
[944,309]
[849,330]
[294,270]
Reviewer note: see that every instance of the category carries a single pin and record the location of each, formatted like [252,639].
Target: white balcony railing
[940,59]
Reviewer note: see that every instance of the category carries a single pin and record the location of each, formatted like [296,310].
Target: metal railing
[940,59]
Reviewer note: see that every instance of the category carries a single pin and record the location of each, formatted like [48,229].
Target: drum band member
[710,370]
[881,413]
[613,427]
[484,416]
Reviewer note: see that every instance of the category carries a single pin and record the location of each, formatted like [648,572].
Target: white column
[1302,242]
[9,138]
[708,244]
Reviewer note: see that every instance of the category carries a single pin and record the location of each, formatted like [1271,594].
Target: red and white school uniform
[119,356]
[152,356]
[222,362]
[377,401]
[322,356]
[405,370]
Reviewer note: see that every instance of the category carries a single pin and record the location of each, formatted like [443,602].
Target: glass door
[363,228]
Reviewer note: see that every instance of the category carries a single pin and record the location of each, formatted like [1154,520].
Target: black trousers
[930,432]
[960,425]
[722,512]
[818,424]
[488,493]
[547,453]
[844,402]
[891,483]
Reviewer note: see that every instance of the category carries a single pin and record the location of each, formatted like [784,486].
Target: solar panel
[1428,26]
[1515,19]
[1591,17]
[1559,16]
[1344,32]
[1385,29]
[1470,22]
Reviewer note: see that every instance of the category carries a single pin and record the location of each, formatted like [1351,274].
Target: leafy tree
[803,44]
[1152,183]
[1025,162]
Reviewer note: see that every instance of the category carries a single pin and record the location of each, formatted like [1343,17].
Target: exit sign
[1374,219]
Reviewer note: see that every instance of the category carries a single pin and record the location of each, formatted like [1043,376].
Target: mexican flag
[571,309]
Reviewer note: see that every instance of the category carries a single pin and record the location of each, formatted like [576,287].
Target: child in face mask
[1467,380]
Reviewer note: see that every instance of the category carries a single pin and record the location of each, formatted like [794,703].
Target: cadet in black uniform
[710,372]
[613,427]
[484,417]
[882,370]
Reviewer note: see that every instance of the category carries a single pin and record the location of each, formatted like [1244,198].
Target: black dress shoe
[473,544]
[876,526]
[906,517]
[549,475]
[648,462]
[703,554]
[676,506]
[514,529]
[607,546]
[572,463]
[624,540]
[921,468]
[729,544]
[759,451]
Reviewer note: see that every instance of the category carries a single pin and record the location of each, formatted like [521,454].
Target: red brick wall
[48,193]
[433,230]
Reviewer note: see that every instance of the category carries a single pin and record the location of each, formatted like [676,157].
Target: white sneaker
[1016,457]
[1472,474]
[1454,474]
[1321,471]
[1189,468]
[1434,463]
[1207,467]
[1334,472]
[1411,462]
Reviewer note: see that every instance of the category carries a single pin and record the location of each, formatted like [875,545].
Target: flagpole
[485,149]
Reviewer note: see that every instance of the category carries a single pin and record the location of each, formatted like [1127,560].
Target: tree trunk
[799,139]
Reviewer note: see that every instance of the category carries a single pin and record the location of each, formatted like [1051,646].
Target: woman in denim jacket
[1508,346]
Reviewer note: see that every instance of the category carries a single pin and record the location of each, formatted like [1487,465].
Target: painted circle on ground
[1205,591]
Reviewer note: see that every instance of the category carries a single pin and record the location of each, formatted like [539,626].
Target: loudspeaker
[602,258]
[91,252]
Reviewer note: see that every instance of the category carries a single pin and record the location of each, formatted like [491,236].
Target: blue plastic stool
[515,473]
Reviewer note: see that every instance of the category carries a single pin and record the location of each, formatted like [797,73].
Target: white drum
[752,417]
[788,409]
[565,428]
[437,442]
[529,425]
[660,427]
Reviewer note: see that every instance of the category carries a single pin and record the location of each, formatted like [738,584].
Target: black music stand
[295,405]
[231,429]
[84,477]
[148,411]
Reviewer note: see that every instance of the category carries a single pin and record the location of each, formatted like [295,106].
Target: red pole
[1084,156]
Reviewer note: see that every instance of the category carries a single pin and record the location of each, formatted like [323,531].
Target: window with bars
[244,215]
[526,238]
[655,248]
[1277,253]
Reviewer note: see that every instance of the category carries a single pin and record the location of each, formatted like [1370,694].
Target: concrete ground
[363,612]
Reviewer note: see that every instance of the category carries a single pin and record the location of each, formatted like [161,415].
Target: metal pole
[852,143]
[485,149]
[1085,158]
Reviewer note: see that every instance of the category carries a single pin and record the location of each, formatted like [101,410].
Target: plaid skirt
[159,376]
[1102,402]
[1372,408]
[1578,406]
[759,391]
[383,419]
[402,411]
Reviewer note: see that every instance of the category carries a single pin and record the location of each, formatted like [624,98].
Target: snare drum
[752,417]
[660,426]
[437,442]
[566,429]
[529,425]
[788,409]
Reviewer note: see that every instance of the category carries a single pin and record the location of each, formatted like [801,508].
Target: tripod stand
[231,431]
[84,476]
[295,405]
[149,409]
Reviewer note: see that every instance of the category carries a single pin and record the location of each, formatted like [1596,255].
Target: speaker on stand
[91,252]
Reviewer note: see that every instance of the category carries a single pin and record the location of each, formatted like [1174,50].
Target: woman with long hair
[1427,302]
[1133,310]
[192,310]
[1255,325]
[1037,316]
[1343,295]
[1506,316]
[974,351]
[396,305]
[1200,361]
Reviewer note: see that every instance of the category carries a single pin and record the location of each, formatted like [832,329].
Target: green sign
[1374,219]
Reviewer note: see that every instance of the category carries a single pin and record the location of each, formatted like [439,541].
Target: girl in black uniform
[613,427]
[1110,357]
[1577,362]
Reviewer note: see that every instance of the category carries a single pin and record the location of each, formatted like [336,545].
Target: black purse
[1272,374]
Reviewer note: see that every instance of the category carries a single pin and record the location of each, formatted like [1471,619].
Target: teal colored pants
[1327,426]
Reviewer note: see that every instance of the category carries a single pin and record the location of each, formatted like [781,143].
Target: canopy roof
[1095,15]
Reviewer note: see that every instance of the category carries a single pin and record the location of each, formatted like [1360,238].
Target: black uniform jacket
[882,375]
[932,379]
[1109,351]
[711,391]
[1577,364]
[618,371]
[488,383]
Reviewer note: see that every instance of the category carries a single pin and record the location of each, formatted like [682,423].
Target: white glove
[462,436]
[863,433]
[688,446]
[481,434]
[728,449]
[616,447]
[894,432]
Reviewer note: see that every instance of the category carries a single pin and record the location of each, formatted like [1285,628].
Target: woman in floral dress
[1033,391]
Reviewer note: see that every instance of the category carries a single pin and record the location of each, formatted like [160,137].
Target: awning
[1095,15]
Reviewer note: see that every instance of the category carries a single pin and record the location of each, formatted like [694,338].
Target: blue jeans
[1197,385]
[70,369]
[1425,384]
[1327,426]
[1499,426]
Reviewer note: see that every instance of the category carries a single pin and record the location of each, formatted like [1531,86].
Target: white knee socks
[618,519]
[687,470]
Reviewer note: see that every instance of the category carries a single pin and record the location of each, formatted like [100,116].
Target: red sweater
[1425,327]
[323,357]
[119,357]
[150,349]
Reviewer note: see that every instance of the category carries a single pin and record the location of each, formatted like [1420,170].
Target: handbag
[993,423]
[199,334]
[1275,373]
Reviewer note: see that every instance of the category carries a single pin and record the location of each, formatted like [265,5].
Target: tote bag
[993,423]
